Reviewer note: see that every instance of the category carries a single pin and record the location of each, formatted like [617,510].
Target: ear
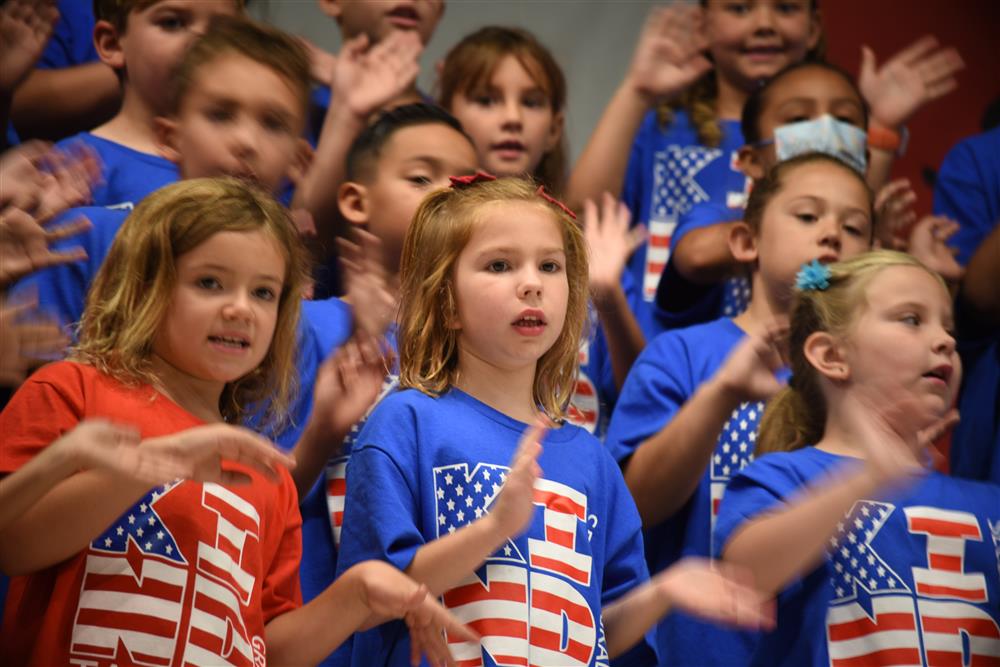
[108,44]
[555,131]
[815,28]
[827,355]
[353,202]
[331,8]
[302,161]
[749,162]
[166,138]
[743,243]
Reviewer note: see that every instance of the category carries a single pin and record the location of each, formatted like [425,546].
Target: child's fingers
[590,221]
[917,50]
[67,229]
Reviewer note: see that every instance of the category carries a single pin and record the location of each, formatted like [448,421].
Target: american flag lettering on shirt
[526,604]
[675,191]
[336,468]
[733,452]
[875,618]
[584,405]
[150,596]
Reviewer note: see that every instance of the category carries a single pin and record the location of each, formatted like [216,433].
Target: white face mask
[826,135]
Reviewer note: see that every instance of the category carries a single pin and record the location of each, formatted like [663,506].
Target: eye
[737,8]
[483,99]
[910,319]
[218,115]
[419,180]
[807,217]
[498,266]
[788,8]
[550,266]
[171,22]
[265,294]
[276,124]
[536,101]
[208,283]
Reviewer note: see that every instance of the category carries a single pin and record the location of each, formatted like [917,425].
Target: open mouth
[942,373]
[510,149]
[529,322]
[404,16]
[230,342]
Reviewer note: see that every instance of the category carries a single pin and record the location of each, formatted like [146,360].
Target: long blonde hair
[441,228]
[129,298]
[796,416]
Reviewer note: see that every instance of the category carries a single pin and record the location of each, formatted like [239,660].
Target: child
[143,41]
[870,570]
[686,419]
[494,289]
[190,323]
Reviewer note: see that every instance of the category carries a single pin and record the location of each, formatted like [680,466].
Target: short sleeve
[962,191]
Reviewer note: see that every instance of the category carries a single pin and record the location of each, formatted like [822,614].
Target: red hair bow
[478,177]
[552,200]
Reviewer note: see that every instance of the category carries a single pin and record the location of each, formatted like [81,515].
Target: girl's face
[223,308]
[511,121]
[805,94]
[821,212]
[511,289]
[902,346]
[751,40]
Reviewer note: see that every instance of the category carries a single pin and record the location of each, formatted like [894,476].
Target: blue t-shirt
[596,392]
[668,172]
[911,579]
[72,41]
[967,189]
[663,378]
[127,175]
[424,467]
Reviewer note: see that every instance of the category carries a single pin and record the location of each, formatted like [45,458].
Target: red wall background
[972,26]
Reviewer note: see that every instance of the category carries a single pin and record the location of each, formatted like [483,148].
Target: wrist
[635,95]
[889,139]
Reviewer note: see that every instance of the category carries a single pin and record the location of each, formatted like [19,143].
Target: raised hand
[610,239]
[197,453]
[894,213]
[515,505]
[669,56]
[716,591]
[748,373]
[27,337]
[24,244]
[929,243]
[366,79]
[389,593]
[367,289]
[321,62]
[25,28]
[910,79]
[348,383]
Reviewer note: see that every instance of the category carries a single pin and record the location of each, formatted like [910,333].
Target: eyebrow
[554,250]
[225,269]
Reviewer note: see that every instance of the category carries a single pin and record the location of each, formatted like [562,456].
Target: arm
[979,287]
[611,243]
[364,80]
[703,255]
[54,103]
[666,468]
[25,27]
[368,593]
[667,59]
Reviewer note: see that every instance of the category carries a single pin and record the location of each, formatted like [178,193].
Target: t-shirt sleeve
[381,507]
[281,590]
[960,194]
[654,390]
[45,407]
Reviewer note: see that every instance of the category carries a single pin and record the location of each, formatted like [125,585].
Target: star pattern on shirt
[462,497]
[854,560]
[735,296]
[734,448]
[675,188]
[143,525]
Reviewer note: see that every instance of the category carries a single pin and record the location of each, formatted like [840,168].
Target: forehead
[907,284]
[827,181]
[254,250]
[517,223]
[207,7]
[431,141]
[227,75]
[810,82]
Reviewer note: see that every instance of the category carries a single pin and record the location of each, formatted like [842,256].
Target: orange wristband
[887,139]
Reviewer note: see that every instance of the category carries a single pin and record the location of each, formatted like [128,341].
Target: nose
[243,138]
[530,286]
[831,234]
[763,17]
[238,308]
[512,113]
[944,342]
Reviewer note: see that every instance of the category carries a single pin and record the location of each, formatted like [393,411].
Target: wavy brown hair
[441,228]
[470,64]
[129,298]
[796,415]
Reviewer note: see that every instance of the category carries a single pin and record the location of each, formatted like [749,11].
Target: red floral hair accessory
[465,181]
[552,200]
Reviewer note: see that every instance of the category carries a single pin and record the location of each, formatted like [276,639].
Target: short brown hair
[129,297]
[116,12]
[442,226]
[257,41]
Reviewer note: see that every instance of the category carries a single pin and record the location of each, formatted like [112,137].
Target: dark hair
[766,187]
[116,12]
[366,148]
[757,102]
[469,65]
[259,42]
[698,101]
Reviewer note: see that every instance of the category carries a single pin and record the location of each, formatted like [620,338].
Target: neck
[767,306]
[729,104]
[509,392]
[132,126]
[199,397]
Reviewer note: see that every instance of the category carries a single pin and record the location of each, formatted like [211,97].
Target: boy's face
[155,40]
[378,18]
[239,118]
[414,162]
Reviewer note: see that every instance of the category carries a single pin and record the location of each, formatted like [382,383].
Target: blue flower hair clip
[813,276]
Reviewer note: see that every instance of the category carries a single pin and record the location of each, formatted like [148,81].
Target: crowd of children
[304,366]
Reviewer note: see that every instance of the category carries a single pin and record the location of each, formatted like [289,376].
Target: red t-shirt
[190,574]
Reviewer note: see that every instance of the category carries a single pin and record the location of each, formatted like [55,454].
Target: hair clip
[552,200]
[813,276]
[465,181]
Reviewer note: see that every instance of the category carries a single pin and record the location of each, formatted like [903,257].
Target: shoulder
[709,339]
